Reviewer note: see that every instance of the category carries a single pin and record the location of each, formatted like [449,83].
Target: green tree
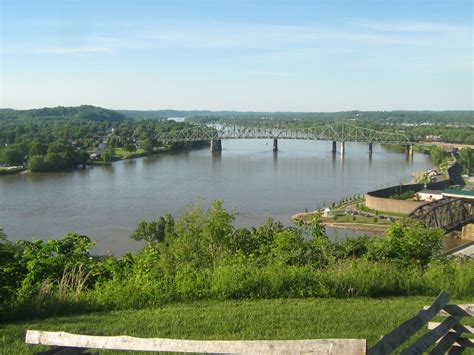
[466,159]
[14,154]
[155,232]
[129,147]
[147,145]
[437,155]
[108,154]
[60,156]
[37,163]
[320,245]
[408,244]
[37,148]
[49,260]
[289,247]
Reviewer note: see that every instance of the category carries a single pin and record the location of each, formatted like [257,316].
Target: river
[107,202]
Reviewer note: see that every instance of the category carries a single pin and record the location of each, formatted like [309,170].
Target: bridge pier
[216,145]
[370,148]
[334,144]
[410,151]
[343,147]
[275,145]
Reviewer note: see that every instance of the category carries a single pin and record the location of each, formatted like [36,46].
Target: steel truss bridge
[336,132]
[447,214]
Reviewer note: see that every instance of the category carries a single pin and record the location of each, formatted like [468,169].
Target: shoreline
[357,226]
[341,225]
[97,162]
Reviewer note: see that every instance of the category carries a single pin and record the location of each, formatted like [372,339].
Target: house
[430,195]
[433,138]
[327,212]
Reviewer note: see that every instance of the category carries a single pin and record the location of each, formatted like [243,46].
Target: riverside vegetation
[202,256]
[63,138]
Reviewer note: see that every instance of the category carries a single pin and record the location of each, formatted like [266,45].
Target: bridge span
[337,132]
[448,213]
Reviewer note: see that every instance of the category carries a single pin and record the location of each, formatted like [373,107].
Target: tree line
[61,138]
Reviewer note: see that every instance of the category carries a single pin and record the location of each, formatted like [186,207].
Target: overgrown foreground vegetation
[363,318]
[201,256]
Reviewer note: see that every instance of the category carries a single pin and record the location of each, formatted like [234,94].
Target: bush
[202,256]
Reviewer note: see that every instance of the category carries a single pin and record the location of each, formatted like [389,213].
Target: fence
[447,336]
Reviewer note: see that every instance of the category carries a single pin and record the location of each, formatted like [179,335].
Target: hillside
[83,113]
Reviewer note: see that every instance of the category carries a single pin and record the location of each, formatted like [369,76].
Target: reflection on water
[107,202]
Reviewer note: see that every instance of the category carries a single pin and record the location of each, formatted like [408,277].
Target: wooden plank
[445,344]
[431,337]
[465,328]
[455,350]
[466,310]
[465,342]
[317,346]
[460,310]
[394,339]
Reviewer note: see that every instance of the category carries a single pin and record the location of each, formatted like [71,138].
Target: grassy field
[366,318]
[121,152]
[360,219]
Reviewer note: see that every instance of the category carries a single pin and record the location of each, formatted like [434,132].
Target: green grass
[370,210]
[360,219]
[365,318]
[121,152]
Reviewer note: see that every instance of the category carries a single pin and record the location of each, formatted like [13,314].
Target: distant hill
[84,112]
[93,113]
[164,114]
[401,116]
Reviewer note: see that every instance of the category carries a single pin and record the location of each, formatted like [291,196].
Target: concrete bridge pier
[410,151]
[370,148]
[275,145]
[216,145]
[334,144]
[343,147]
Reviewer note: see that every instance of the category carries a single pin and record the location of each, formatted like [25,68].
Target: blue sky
[238,55]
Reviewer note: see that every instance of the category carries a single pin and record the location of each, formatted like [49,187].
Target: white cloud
[243,36]
[267,37]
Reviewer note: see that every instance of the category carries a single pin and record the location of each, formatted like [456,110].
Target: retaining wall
[379,199]
[468,231]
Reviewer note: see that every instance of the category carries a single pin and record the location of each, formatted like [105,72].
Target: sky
[319,55]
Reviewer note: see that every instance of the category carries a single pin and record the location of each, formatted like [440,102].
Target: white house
[430,195]
[327,212]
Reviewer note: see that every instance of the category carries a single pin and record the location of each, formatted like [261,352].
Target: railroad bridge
[337,132]
[448,213]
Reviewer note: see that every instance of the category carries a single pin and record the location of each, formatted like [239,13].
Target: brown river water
[107,202]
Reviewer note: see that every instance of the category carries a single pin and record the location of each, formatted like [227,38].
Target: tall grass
[237,280]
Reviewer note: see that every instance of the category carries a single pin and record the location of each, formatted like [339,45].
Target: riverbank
[11,170]
[124,156]
[23,170]
[306,218]
[351,214]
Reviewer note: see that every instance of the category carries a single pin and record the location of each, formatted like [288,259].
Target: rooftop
[459,192]
[430,192]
